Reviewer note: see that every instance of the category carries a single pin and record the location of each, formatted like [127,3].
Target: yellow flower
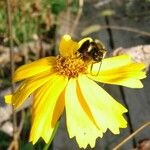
[65,81]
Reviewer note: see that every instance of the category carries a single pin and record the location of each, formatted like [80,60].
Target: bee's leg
[99,68]
[101,64]
[91,69]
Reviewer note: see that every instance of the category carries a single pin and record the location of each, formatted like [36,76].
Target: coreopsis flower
[66,82]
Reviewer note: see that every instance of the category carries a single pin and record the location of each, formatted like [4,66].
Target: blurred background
[31,29]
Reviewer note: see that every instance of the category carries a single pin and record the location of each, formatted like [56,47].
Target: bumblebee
[92,52]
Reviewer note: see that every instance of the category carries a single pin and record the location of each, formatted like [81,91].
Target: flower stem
[47,146]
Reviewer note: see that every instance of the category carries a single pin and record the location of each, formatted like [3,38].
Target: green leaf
[27,146]
[58,6]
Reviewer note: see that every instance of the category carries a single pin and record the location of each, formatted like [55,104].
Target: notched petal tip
[120,70]
[107,111]
[32,141]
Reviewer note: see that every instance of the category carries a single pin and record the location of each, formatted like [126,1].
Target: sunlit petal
[45,103]
[128,75]
[107,111]
[28,87]
[66,81]
[78,123]
[34,68]
[67,46]
[112,63]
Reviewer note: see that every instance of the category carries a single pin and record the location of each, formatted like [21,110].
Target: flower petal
[106,111]
[78,122]
[112,63]
[124,75]
[45,103]
[28,87]
[34,68]
[67,46]
[8,99]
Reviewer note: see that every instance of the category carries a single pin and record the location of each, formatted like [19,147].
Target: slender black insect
[93,52]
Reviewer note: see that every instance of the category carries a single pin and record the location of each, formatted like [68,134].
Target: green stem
[46,147]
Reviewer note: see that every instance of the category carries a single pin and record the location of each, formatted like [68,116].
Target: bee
[93,52]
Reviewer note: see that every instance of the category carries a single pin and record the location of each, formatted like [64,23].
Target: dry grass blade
[14,145]
[97,27]
[131,136]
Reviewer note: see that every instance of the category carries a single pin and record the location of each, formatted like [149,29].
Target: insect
[93,52]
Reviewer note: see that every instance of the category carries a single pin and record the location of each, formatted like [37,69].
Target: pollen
[70,66]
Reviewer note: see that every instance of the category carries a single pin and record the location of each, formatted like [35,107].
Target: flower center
[70,66]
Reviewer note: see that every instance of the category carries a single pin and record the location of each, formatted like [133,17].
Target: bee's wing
[82,42]
[84,47]
[99,44]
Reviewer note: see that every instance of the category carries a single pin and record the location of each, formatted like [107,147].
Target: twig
[14,144]
[9,20]
[101,3]
[141,14]
[96,28]
[20,127]
[78,16]
[131,135]
[127,29]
